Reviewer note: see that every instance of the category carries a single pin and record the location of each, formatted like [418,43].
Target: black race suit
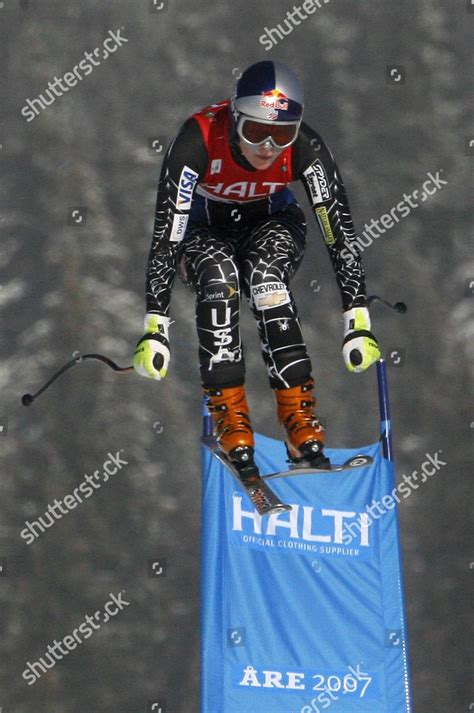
[228,238]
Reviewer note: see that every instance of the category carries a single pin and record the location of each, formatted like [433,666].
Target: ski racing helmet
[267,105]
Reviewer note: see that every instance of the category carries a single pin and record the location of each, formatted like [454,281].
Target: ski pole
[398,306]
[27,399]
[384,408]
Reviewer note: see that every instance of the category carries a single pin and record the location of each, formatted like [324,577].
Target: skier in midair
[226,219]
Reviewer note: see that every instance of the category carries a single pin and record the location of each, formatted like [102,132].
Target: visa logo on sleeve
[187,183]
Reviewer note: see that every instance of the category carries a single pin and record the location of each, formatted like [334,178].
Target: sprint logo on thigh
[269,294]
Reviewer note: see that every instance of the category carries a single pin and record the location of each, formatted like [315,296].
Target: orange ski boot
[232,429]
[305,434]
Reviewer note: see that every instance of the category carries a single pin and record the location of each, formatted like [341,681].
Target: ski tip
[358,461]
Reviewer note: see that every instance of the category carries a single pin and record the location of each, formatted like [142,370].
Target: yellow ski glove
[360,349]
[152,353]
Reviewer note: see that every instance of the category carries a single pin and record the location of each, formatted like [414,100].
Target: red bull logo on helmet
[274,99]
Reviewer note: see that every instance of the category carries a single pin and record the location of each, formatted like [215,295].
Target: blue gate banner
[303,611]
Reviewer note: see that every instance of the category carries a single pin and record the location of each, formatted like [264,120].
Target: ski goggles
[256,132]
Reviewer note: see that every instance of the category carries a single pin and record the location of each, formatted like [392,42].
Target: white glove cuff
[356,318]
[157,323]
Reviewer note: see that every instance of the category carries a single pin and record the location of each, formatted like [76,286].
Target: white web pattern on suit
[162,267]
[267,254]
[274,256]
[211,264]
[349,274]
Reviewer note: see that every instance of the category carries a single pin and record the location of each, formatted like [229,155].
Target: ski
[359,461]
[262,496]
